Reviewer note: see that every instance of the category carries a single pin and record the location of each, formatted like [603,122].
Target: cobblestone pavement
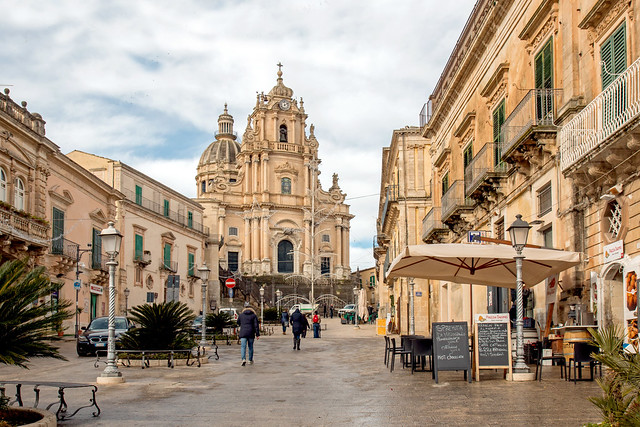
[339,379]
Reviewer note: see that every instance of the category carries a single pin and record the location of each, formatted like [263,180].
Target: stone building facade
[264,198]
[536,113]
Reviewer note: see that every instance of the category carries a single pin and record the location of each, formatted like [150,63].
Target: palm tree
[26,327]
[219,321]
[163,326]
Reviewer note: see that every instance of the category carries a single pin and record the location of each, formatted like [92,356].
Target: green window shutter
[57,244]
[498,121]
[445,183]
[191,264]
[544,67]
[139,247]
[138,195]
[96,249]
[190,219]
[167,255]
[468,155]
[613,55]
[166,208]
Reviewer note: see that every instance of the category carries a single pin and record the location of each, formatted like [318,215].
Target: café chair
[559,358]
[582,354]
[398,351]
[421,349]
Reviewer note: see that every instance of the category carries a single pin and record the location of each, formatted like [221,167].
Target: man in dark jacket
[249,330]
[299,323]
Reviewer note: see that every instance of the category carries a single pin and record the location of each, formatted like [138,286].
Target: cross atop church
[279,64]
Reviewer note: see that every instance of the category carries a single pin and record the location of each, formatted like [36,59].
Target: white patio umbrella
[491,265]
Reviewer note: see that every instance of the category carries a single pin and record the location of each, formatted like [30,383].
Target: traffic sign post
[230,283]
[77,285]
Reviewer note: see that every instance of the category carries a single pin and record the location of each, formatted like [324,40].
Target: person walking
[331,311]
[299,323]
[284,319]
[316,325]
[324,310]
[249,330]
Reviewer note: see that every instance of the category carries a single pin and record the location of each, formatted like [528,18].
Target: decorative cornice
[602,15]
[497,78]
[65,198]
[467,122]
[542,13]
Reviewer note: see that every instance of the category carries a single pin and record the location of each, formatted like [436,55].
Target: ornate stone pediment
[602,15]
[65,198]
[496,87]
[542,23]
[286,168]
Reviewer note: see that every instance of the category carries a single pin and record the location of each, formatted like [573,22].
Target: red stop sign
[230,283]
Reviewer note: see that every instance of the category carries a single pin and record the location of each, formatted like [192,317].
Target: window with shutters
[498,121]
[3,186]
[468,154]
[138,195]
[445,183]
[499,229]
[547,237]
[57,234]
[189,219]
[151,297]
[166,256]
[191,262]
[19,195]
[543,65]
[139,242]
[232,261]
[166,208]
[372,281]
[544,199]
[96,250]
[138,275]
[613,57]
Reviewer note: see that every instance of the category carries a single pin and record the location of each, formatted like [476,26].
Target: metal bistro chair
[387,350]
[421,348]
[400,351]
[582,354]
[559,358]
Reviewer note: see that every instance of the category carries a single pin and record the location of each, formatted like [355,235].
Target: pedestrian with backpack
[316,325]
[249,330]
[299,324]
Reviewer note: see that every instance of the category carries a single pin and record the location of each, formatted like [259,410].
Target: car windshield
[103,323]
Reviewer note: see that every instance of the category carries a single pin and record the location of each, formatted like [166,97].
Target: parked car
[196,326]
[233,313]
[94,337]
[349,309]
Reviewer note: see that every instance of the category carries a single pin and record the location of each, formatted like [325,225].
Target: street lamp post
[261,305]
[519,232]
[412,314]
[126,300]
[204,276]
[355,301]
[278,296]
[111,238]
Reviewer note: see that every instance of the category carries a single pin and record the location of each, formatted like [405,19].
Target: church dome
[224,148]
[280,89]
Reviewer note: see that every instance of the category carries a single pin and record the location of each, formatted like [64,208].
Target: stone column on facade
[246,244]
[247,174]
[338,244]
[221,222]
[254,175]
[265,173]
[345,243]
[265,241]
[307,185]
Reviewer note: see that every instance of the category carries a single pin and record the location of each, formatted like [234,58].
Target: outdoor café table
[421,347]
[406,343]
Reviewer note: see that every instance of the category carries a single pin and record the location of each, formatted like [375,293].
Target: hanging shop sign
[95,289]
[613,251]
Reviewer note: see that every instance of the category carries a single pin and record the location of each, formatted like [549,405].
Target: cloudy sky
[144,81]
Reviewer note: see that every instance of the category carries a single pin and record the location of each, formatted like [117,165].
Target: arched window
[203,188]
[283,133]
[19,195]
[3,185]
[285,185]
[285,257]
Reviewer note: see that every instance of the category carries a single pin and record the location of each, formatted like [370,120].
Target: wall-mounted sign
[613,251]
[95,289]
[418,293]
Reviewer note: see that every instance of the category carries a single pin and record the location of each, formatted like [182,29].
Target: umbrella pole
[520,366]
[412,319]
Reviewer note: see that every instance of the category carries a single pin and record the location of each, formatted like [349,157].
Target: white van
[304,308]
[232,312]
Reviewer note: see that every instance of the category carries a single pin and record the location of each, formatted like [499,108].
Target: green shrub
[219,321]
[271,315]
[27,328]
[163,326]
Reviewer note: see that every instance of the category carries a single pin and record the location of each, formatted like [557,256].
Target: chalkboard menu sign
[492,342]
[451,348]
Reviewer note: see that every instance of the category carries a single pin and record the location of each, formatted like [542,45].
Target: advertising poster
[630,300]
[552,286]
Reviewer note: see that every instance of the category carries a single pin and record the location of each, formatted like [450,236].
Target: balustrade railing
[537,108]
[390,196]
[454,198]
[484,163]
[29,228]
[64,247]
[21,114]
[610,111]
[285,146]
[432,222]
[425,113]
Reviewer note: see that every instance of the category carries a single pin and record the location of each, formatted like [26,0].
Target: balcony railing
[537,108]
[64,247]
[486,163]
[425,113]
[168,265]
[100,262]
[159,209]
[13,223]
[454,199]
[609,112]
[432,223]
[391,195]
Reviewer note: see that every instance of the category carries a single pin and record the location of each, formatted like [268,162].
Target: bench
[123,358]
[62,412]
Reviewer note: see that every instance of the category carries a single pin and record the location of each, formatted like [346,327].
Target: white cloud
[144,82]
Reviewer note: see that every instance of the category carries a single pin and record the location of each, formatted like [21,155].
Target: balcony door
[613,57]
[544,84]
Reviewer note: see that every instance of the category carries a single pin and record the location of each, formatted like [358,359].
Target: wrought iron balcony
[536,112]
[171,266]
[613,111]
[486,166]
[390,196]
[432,224]
[63,247]
[454,200]
[425,113]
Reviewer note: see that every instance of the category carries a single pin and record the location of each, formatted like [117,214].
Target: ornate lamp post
[355,303]
[111,238]
[204,276]
[77,285]
[278,296]
[126,300]
[261,305]
[519,232]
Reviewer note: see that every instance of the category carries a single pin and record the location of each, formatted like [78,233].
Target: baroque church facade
[263,196]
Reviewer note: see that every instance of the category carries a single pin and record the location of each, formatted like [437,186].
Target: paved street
[337,380]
